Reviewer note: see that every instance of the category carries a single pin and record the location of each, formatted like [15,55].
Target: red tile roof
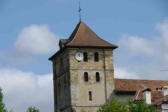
[155,95]
[160,100]
[83,36]
[135,84]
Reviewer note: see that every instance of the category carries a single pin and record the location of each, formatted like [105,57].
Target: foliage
[2,105]
[58,110]
[32,109]
[140,106]
[82,110]
[116,106]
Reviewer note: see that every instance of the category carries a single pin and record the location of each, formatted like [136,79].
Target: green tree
[2,105]
[82,110]
[32,109]
[140,106]
[58,110]
[114,106]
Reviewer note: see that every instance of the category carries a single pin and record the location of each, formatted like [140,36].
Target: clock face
[79,56]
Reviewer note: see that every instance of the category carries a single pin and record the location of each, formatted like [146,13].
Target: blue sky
[110,20]
[139,27]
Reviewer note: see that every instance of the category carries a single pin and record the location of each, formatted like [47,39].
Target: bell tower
[83,72]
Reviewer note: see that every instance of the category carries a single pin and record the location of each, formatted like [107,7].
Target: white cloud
[150,55]
[137,45]
[151,46]
[124,73]
[37,39]
[163,28]
[24,89]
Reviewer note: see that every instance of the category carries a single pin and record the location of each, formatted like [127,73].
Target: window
[85,54]
[97,77]
[86,77]
[96,57]
[90,96]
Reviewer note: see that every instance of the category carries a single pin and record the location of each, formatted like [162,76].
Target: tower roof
[83,36]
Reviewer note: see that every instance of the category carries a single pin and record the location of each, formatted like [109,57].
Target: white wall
[164,107]
[147,97]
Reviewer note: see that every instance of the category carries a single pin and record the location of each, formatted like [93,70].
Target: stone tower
[83,72]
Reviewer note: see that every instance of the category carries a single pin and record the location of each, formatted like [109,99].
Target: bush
[140,106]
[116,106]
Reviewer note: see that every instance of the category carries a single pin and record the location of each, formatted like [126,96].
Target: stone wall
[70,89]
[61,79]
[101,91]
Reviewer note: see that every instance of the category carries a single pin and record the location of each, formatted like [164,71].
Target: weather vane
[79,11]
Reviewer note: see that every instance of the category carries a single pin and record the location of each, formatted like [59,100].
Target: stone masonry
[73,91]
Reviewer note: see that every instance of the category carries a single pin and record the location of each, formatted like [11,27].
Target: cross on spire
[79,11]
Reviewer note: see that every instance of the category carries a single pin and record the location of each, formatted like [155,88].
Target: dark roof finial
[79,12]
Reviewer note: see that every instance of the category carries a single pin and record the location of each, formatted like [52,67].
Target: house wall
[164,107]
[123,97]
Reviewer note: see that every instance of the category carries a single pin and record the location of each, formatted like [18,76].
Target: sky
[30,31]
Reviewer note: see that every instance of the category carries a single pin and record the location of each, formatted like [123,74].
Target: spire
[79,12]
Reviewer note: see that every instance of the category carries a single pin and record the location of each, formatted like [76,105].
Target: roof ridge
[139,79]
[75,31]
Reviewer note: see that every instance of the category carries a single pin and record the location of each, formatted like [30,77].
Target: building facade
[83,71]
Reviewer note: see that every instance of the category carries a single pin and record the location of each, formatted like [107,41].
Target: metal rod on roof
[80,12]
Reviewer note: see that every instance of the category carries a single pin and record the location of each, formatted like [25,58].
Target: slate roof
[83,36]
[135,84]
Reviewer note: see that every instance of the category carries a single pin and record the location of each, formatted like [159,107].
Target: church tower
[83,72]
